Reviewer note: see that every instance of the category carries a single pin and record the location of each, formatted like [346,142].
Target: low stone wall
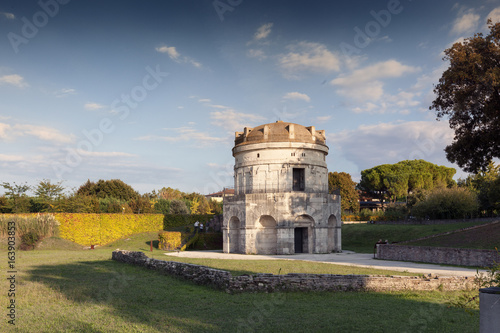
[224,280]
[450,221]
[438,255]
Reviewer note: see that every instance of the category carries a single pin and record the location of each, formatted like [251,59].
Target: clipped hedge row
[180,220]
[99,229]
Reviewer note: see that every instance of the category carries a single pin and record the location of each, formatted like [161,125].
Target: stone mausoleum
[281,203]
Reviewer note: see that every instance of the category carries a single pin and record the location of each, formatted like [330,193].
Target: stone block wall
[438,255]
[224,280]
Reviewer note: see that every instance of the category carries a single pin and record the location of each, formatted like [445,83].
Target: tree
[487,186]
[349,196]
[468,93]
[389,181]
[178,207]
[114,188]
[48,191]
[17,193]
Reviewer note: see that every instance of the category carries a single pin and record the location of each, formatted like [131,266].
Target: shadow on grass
[137,296]
[155,244]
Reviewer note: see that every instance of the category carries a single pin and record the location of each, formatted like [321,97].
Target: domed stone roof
[280,131]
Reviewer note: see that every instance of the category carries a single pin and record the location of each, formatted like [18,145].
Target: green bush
[447,203]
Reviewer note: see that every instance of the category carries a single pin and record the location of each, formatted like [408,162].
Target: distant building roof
[226,191]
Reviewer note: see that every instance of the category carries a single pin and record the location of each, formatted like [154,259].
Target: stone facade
[438,255]
[223,280]
[281,203]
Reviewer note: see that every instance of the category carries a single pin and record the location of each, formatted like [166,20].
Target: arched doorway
[266,239]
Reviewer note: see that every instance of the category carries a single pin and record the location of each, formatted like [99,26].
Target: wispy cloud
[103,154]
[234,121]
[307,57]
[263,31]
[256,53]
[365,84]
[93,106]
[494,15]
[183,134]
[14,80]
[466,22]
[11,158]
[64,92]
[173,54]
[7,15]
[371,145]
[296,96]
[43,133]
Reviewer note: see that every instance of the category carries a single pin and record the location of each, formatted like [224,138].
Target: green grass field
[362,237]
[75,290]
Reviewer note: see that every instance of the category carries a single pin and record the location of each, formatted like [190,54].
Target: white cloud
[43,133]
[11,158]
[323,119]
[171,51]
[3,131]
[103,154]
[14,79]
[466,22]
[371,145]
[9,16]
[297,96]
[64,92]
[263,31]
[204,100]
[307,56]
[494,15]
[365,84]
[93,106]
[184,134]
[234,121]
[256,53]
[173,54]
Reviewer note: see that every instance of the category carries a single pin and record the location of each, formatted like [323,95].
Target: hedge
[99,229]
[180,220]
[208,241]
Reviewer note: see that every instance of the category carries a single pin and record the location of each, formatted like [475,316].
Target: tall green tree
[48,191]
[349,196]
[390,181]
[114,188]
[468,93]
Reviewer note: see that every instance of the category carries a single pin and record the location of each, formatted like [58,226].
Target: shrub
[447,203]
[29,228]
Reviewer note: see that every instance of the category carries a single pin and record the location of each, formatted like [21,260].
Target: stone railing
[224,280]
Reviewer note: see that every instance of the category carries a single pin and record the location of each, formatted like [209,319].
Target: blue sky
[152,92]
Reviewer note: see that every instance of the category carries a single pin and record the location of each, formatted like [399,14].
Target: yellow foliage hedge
[99,229]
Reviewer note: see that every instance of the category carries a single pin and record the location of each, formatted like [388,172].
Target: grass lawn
[487,237]
[74,290]
[362,237]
